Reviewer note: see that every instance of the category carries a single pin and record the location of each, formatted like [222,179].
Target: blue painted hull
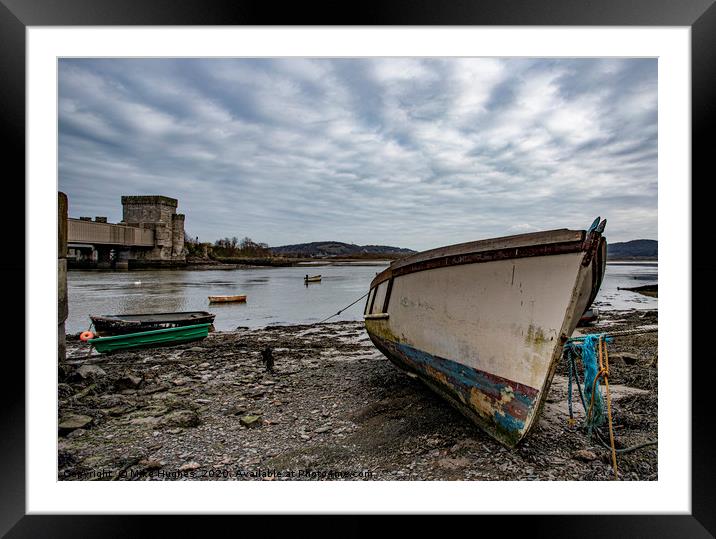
[510,402]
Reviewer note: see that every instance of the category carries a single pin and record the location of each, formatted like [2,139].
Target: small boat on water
[120,324]
[226,299]
[483,323]
[143,339]
[312,279]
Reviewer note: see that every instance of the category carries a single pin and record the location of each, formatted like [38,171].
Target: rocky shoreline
[334,409]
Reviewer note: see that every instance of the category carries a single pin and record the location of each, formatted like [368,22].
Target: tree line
[226,248]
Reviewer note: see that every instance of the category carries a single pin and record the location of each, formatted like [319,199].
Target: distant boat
[144,339]
[483,323]
[313,279]
[226,299]
[120,324]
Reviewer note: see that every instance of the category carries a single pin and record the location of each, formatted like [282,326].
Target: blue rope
[586,348]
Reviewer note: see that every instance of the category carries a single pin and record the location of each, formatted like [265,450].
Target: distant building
[157,213]
[151,233]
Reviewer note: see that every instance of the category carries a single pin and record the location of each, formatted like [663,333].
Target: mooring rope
[623,333]
[594,417]
[344,308]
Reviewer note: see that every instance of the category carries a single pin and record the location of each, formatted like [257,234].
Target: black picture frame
[17,15]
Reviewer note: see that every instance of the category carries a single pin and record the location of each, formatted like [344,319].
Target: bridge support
[104,258]
[121,260]
[61,274]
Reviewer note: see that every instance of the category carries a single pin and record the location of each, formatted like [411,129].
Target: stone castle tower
[157,213]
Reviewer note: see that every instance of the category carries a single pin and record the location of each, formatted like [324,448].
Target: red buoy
[86,336]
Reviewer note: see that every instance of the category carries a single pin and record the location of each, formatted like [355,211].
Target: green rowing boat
[157,337]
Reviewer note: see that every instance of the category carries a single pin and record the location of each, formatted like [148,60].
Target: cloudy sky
[414,153]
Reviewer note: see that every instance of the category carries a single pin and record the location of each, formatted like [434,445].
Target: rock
[324,428]
[149,421]
[625,357]
[118,410]
[202,401]
[150,464]
[182,418]
[64,391]
[189,466]
[584,455]
[251,421]
[128,381]
[90,371]
[154,410]
[236,410]
[73,422]
[456,462]
[65,458]
[63,372]
[195,349]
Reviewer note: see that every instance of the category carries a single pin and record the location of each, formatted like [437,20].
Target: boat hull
[143,339]
[122,324]
[227,299]
[483,324]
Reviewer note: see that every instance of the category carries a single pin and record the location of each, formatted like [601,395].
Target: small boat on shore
[312,279]
[120,324]
[144,339]
[226,299]
[483,323]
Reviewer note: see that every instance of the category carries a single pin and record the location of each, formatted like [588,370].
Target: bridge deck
[92,232]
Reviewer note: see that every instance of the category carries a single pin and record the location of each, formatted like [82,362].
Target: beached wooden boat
[143,339]
[120,324]
[312,279]
[483,323]
[226,299]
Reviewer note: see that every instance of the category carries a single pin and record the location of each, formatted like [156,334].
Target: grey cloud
[409,152]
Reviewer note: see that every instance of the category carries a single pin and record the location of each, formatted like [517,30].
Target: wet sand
[335,408]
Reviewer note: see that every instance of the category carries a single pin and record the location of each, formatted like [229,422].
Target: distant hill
[634,249]
[324,249]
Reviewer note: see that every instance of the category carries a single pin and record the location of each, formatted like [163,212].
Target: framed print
[294,204]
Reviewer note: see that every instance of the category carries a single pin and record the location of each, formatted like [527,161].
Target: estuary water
[276,295]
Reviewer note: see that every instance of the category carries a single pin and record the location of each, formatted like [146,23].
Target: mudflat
[334,408]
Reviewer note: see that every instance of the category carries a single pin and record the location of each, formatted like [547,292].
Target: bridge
[151,233]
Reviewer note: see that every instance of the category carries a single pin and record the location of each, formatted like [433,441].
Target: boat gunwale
[512,247]
[143,318]
[150,332]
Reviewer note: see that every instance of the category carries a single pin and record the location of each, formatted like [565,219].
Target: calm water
[627,275]
[275,295]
